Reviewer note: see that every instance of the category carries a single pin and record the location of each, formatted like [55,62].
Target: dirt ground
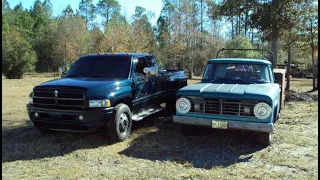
[156,148]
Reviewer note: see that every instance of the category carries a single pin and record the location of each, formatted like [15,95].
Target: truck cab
[104,92]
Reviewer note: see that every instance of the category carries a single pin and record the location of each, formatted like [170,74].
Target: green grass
[156,148]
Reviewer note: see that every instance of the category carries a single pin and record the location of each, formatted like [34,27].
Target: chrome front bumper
[251,126]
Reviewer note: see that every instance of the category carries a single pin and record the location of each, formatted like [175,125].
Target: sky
[127,6]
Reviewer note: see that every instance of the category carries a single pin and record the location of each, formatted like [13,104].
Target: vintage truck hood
[91,85]
[209,90]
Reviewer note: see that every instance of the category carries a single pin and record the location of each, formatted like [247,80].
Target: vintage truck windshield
[250,73]
[101,67]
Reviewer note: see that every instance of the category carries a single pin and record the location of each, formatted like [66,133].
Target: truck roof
[120,54]
[239,60]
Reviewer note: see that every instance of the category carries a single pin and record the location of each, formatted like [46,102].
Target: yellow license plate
[219,124]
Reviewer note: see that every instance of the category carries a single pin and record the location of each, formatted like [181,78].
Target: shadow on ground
[207,149]
[26,143]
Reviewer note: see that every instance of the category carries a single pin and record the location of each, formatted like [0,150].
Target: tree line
[186,34]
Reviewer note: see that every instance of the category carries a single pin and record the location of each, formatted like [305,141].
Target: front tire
[265,138]
[278,116]
[119,127]
[170,105]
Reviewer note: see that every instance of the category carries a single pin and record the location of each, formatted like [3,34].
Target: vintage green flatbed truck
[234,93]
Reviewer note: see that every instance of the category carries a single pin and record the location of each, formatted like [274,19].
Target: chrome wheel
[119,127]
[123,123]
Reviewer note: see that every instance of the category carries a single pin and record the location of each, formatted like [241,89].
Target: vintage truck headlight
[262,110]
[183,105]
[99,103]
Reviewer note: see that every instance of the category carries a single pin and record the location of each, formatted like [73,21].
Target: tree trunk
[232,27]
[274,47]
[192,64]
[313,70]
[246,20]
[65,52]
[252,37]
[107,20]
[201,25]
[236,28]
[312,57]
[87,18]
[239,19]
[288,68]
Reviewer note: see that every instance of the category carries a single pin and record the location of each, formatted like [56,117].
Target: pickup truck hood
[92,85]
[236,91]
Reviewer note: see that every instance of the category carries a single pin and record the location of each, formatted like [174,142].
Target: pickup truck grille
[223,107]
[59,99]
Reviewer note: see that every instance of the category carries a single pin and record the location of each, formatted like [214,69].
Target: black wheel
[119,127]
[275,116]
[265,138]
[188,130]
[44,131]
[170,106]
[278,116]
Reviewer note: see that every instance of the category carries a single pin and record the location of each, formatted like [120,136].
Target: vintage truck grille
[222,107]
[59,98]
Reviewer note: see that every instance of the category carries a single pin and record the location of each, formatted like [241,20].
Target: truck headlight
[262,110]
[183,105]
[99,103]
[31,98]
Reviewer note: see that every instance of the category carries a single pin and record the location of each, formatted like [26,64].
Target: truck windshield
[254,73]
[101,67]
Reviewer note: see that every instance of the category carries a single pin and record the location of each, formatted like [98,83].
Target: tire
[170,106]
[275,116]
[278,116]
[44,131]
[265,138]
[188,130]
[119,127]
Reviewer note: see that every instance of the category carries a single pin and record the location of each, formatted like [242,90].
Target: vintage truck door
[141,85]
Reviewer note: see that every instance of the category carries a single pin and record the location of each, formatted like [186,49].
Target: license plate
[219,124]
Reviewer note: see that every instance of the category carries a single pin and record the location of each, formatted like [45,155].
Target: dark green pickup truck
[104,92]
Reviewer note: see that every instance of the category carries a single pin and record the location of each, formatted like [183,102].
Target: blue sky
[126,5]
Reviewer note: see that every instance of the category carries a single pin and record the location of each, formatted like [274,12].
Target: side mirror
[153,73]
[146,70]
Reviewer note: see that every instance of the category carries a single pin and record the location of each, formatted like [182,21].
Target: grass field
[156,148]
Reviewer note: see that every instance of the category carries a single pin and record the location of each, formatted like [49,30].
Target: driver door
[141,85]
